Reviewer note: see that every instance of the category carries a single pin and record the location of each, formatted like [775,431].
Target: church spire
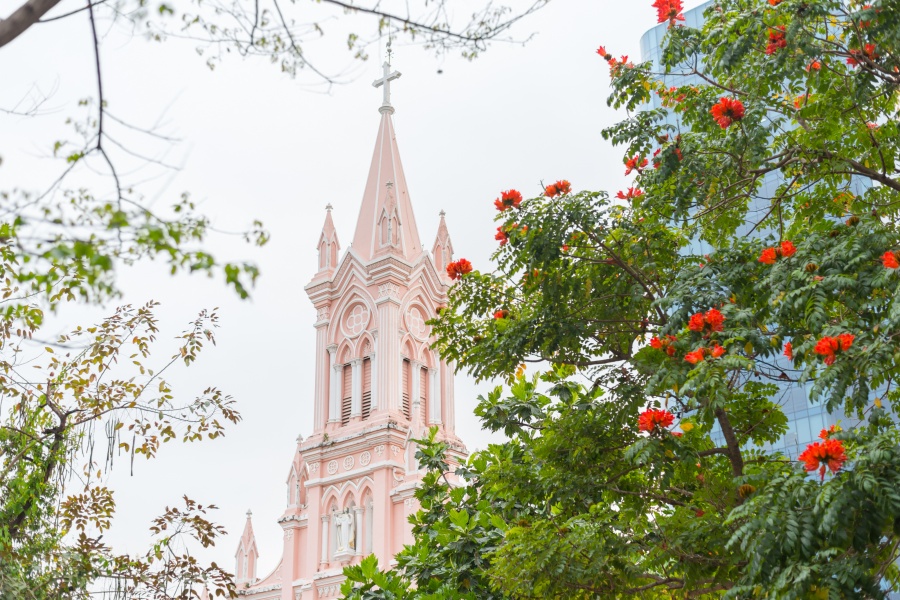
[442,251]
[386,224]
[247,555]
[329,246]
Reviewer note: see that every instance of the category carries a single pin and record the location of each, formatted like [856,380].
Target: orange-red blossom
[560,188]
[651,418]
[508,199]
[784,250]
[458,268]
[713,318]
[828,346]
[821,455]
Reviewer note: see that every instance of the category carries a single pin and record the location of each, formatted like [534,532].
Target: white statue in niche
[345,526]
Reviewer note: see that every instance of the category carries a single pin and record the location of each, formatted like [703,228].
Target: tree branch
[24,17]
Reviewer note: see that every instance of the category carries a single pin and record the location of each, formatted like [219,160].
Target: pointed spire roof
[386,224]
[329,233]
[443,234]
[248,538]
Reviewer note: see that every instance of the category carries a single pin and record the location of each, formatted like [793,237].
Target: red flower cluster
[774,2]
[785,250]
[829,453]
[651,418]
[508,199]
[828,346]
[789,351]
[889,260]
[560,188]
[668,10]
[458,268]
[635,163]
[776,40]
[700,353]
[664,344]
[501,236]
[813,66]
[868,51]
[501,314]
[727,111]
[713,318]
[630,194]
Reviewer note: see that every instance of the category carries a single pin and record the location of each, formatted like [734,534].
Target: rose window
[356,320]
[416,322]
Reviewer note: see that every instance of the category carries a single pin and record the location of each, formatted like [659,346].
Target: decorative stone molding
[379,449]
[365,458]
[322,314]
[388,290]
[314,468]
[332,467]
[329,590]
[289,534]
[395,450]
[348,463]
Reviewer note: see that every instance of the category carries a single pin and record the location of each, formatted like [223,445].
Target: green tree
[638,462]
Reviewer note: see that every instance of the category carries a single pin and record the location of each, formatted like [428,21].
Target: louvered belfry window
[407,377]
[347,394]
[366,388]
[423,394]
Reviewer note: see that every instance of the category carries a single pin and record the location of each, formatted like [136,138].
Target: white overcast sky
[258,144]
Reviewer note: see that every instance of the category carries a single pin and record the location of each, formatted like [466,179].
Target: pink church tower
[378,386]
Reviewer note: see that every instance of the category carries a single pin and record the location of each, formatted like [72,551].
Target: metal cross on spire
[386,82]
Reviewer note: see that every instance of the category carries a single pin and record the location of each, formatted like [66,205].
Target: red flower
[559,188]
[695,356]
[846,340]
[677,433]
[774,2]
[670,350]
[826,433]
[651,418]
[776,40]
[668,10]
[828,346]
[829,453]
[789,351]
[696,322]
[889,260]
[814,66]
[785,250]
[458,268]
[714,319]
[868,51]
[501,236]
[630,194]
[602,52]
[768,256]
[717,351]
[635,163]
[501,314]
[727,111]
[655,342]
[508,199]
